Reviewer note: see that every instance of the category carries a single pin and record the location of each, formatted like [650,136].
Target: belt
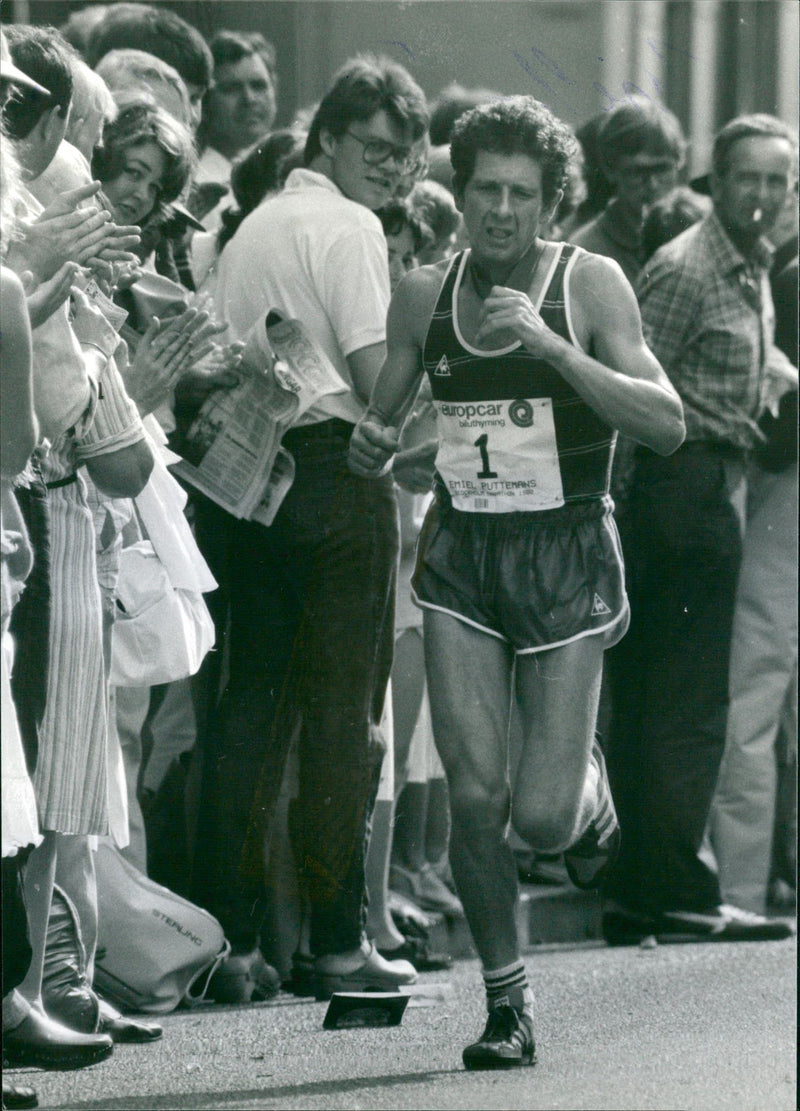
[715,447]
[62,482]
[335,428]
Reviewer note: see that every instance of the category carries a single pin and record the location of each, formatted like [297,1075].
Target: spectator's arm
[19,429]
[123,473]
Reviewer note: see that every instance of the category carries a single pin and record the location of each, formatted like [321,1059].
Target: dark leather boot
[66,992]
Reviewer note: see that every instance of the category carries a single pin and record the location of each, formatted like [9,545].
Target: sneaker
[244,978]
[722,923]
[592,855]
[506,1042]
[374,973]
[427,890]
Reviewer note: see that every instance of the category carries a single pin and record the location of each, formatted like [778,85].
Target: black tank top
[513,433]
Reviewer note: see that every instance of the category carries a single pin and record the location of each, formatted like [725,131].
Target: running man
[535,356]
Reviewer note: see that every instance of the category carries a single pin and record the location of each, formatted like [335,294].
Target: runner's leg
[555,792]
[469,682]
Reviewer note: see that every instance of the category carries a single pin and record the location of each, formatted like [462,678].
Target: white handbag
[161,633]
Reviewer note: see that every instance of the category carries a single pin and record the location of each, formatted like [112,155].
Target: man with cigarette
[708,317]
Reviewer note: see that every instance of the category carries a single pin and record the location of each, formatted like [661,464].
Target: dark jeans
[310,638]
[669,676]
[30,623]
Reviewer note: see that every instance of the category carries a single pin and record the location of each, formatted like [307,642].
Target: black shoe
[301,979]
[590,858]
[621,926]
[417,952]
[39,1042]
[16,1096]
[244,978]
[506,1042]
[722,923]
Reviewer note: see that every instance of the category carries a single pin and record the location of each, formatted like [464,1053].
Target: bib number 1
[511,466]
[482,444]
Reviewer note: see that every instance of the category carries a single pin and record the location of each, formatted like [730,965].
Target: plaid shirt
[708,318]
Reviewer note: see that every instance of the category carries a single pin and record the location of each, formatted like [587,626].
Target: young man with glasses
[312,597]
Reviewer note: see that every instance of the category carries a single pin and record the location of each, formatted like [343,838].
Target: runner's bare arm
[625,383]
[375,438]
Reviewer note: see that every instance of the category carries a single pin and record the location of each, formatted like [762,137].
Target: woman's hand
[64,232]
[219,372]
[167,352]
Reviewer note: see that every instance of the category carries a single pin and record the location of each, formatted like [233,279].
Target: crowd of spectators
[150,219]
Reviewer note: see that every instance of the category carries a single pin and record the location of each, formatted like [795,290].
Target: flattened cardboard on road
[351,1009]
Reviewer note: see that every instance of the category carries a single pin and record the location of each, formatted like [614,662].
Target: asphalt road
[682,1026]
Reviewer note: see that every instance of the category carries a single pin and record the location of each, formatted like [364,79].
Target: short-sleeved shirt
[310,254]
[708,318]
[116,423]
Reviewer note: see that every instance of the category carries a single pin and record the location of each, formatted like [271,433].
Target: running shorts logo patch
[521,413]
[442,368]
[599,608]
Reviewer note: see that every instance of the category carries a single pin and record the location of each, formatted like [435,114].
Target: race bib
[499,456]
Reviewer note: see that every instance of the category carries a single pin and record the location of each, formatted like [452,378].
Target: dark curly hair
[142,122]
[398,215]
[257,172]
[514,125]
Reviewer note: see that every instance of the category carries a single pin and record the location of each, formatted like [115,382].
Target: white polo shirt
[313,255]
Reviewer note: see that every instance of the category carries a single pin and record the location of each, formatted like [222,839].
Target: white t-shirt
[310,254]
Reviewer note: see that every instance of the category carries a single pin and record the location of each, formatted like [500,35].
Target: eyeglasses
[378,151]
[642,174]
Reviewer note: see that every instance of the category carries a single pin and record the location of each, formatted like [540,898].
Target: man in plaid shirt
[708,317]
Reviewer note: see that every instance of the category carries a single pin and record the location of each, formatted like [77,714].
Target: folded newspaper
[232,451]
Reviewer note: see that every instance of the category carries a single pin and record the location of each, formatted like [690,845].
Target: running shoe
[506,1043]
[592,855]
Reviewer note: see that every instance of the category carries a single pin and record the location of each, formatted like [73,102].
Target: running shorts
[536,580]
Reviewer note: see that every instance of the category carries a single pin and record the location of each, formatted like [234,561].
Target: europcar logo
[521,413]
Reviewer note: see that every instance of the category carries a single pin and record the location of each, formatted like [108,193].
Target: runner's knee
[475,806]
[545,826]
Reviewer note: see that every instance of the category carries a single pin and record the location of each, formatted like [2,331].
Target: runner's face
[370,185]
[502,206]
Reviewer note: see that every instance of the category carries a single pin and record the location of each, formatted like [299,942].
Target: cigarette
[757,215]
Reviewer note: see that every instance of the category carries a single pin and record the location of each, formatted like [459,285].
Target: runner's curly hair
[514,125]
